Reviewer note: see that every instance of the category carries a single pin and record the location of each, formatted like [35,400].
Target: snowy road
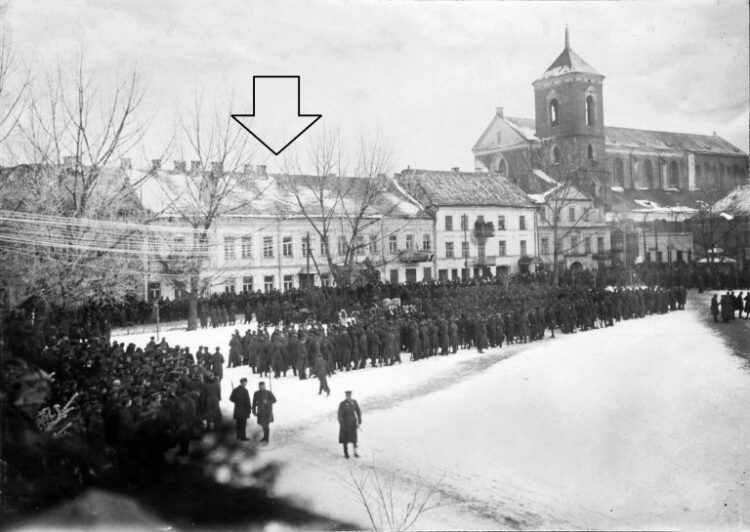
[638,426]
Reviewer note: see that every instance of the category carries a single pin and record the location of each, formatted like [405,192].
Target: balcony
[488,260]
[484,229]
[410,256]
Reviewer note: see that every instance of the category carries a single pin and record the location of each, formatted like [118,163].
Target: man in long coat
[263,401]
[350,418]
[242,408]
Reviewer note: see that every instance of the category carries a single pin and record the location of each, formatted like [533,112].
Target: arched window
[591,151]
[648,172]
[554,112]
[619,173]
[556,155]
[674,175]
[590,106]
[502,167]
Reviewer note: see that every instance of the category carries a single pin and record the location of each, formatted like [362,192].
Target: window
[659,256]
[409,241]
[268,283]
[571,214]
[501,223]
[591,151]
[574,244]
[542,213]
[449,250]
[449,223]
[698,179]
[587,244]
[267,247]
[307,246]
[411,275]
[674,174]
[590,107]
[522,222]
[324,247]
[247,283]
[288,282]
[545,246]
[465,249]
[392,244]
[426,242]
[394,276]
[286,246]
[154,291]
[556,155]
[359,245]
[523,248]
[179,243]
[600,244]
[325,279]
[341,246]
[443,275]
[481,249]
[648,172]
[247,247]
[502,250]
[229,285]
[374,248]
[586,214]
[228,247]
[464,222]
[554,112]
[619,173]
[426,274]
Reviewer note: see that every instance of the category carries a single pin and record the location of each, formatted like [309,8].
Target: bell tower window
[554,112]
[590,105]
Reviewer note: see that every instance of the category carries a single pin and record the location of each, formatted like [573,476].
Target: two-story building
[481,223]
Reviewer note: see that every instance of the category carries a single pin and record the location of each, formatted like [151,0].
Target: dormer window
[554,112]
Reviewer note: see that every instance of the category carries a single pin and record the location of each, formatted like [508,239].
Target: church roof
[452,188]
[567,62]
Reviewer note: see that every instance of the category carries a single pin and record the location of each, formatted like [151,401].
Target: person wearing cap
[242,408]
[350,418]
[262,407]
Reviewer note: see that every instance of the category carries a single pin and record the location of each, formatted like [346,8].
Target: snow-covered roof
[447,188]
[524,126]
[568,62]
[736,202]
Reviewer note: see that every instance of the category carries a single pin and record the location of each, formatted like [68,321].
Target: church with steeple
[634,174]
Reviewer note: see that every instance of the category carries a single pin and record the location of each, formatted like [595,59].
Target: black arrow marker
[299,122]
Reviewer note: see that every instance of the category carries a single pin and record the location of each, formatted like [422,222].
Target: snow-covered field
[638,426]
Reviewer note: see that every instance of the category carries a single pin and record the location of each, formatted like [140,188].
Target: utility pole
[465,245]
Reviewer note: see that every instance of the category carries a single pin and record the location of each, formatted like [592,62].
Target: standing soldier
[217,364]
[242,408]
[262,407]
[321,372]
[350,418]
[453,329]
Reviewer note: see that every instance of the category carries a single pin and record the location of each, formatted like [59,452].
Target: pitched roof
[656,200]
[568,62]
[736,202]
[447,188]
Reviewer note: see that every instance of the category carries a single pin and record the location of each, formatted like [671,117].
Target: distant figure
[242,408]
[322,371]
[263,401]
[715,307]
[747,306]
[350,418]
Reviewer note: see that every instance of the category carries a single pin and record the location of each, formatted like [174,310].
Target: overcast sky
[426,75]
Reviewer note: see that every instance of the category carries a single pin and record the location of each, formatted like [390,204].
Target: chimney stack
[455,169]
[180,166]
[247,169]
[125,164]
[156,164]
[195,167]
[261,170]
[499,112]
[69,161]
[217,168]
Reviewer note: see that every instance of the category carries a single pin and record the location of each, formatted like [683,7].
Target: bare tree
[214,186]
[336,204]
[72,129]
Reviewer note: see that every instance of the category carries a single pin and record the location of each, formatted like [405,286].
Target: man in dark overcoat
[263,401]
[350,418]
[242,408]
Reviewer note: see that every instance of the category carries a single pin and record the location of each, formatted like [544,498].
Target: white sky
[426,75]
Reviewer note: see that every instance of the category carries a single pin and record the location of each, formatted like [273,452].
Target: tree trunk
[193,304]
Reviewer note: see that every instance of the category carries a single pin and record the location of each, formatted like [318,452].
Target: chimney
[217,168]
[180,166]
[156,164]
[69,161]
[261,170]
[455,169]
[195,167]
[247,169]
[499,112]
[125,164]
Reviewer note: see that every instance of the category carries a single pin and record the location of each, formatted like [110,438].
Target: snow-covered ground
[638,426]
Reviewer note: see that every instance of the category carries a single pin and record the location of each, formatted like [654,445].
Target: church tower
[569,110]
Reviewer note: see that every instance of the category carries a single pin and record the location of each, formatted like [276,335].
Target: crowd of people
[729,305]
